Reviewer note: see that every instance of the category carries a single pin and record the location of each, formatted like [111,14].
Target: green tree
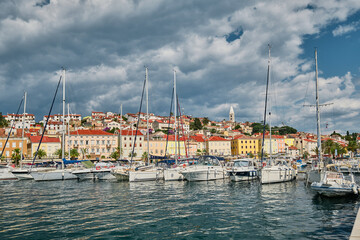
[213,130]
[3,121]
[74,153]
[124,118]
[16,156]
[198,152]
[287,130]
[251,155]
[196,124]
[205,121]
[306,155]
[132,154]
[41,153]
[259,127]
[144,156]
[115,155]
[59,153]
[237,127]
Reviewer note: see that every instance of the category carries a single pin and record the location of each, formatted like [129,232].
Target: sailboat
[58,174]
[173,174]
[6,171]
[275,170]
[328,181]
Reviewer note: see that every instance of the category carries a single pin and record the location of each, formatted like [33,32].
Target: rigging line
[266,98]
[182,128]
[12,126]
[47,120]
[167,135]
[137,125]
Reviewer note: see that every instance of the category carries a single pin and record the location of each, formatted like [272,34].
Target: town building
[93,144]
[243,145]
[49,144]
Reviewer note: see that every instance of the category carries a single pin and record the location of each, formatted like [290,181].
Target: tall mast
[317,109]
[120,140]
[265,111]
[147,114]
[68,122]
[63,123]
[175,108]
[22,134]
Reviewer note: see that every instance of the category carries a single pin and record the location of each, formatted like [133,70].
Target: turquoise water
[170,210]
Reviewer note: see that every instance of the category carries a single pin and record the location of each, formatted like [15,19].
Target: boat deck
[355,233]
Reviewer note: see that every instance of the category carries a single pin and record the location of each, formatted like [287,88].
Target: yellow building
[49,144]
[289,141]
[12,144]
[244,145]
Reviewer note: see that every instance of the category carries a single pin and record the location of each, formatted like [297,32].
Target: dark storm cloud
[218,48]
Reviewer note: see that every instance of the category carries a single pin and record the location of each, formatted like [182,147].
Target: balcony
[108,145]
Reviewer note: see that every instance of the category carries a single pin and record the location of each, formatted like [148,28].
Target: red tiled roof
[36,139]
[197,138]
[131,132]
[89,132]
[293,148]
[216,138]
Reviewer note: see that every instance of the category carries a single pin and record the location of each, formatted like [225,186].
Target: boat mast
[120,140]
[147,114]
[68,119]
[175,108]
[265,112]
[63,124]
[22,134]
[317,110]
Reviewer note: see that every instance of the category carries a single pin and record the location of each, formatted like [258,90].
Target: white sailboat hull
[55,175]
[6,174]
[276,174]
[84,174]
[332,191]
[173,174]
[104,174]
[203,173]
[121,176]
[148,175]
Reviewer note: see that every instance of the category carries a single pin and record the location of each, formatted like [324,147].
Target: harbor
[218,209]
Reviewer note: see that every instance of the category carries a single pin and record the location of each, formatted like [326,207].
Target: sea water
[171,210]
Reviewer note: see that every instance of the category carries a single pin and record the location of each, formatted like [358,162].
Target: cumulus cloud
[218,48]
[345,29]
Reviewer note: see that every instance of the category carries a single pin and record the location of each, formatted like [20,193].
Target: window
[14,144]
[0,144]
[125,138]
[103,142]
[97,142]
[20,144]
[81,142]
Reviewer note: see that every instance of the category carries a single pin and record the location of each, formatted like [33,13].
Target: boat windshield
[241,163]
[208,161]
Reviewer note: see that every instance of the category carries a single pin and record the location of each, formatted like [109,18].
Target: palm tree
[132,154]
[16,156]
[59,153]
[306,155]
[41,153]
[115,155]
[144,156]
[74,153]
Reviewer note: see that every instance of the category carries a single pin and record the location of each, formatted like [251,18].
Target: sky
[219,50]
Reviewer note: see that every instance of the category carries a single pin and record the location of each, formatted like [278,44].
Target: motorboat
[243,170]
[277,171]
[146,173]
[172,173]
[207,168]
[334,184]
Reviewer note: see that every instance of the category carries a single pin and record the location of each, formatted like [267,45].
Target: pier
[355,233]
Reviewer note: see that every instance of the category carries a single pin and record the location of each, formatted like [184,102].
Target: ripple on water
[171,210]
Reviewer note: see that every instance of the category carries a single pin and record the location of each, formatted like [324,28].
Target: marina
[219,209]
